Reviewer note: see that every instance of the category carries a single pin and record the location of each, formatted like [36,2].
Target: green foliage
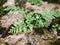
[9,8]
[18,27]
[57,14]
[39,21]
[46,14]
[2,12]
[35,2]
[12,8]
[1,7]
[54,26]
[21,26]
[16,8]
[34,20]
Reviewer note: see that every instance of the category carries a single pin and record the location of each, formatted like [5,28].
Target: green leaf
[24,29]
[31,27]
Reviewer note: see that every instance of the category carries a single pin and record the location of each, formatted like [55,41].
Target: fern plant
[54,26]
[34,20]
[18,27]
[12,8]
[23,25]
[16,8]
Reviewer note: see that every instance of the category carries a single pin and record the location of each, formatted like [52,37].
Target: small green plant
[34,20]
[55,27]
[12,8]
[23,25]
[35,2]
[49,14]
[18,27]
[16,8]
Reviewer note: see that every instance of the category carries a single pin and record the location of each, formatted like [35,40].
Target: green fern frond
[39,20]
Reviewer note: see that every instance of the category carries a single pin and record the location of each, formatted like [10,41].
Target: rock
[2,41]
[11,18]
[9,3]
[23,39]
[19,39]
[36,40]
[20,3]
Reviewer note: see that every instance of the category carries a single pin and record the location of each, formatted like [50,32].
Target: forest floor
[30,38]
